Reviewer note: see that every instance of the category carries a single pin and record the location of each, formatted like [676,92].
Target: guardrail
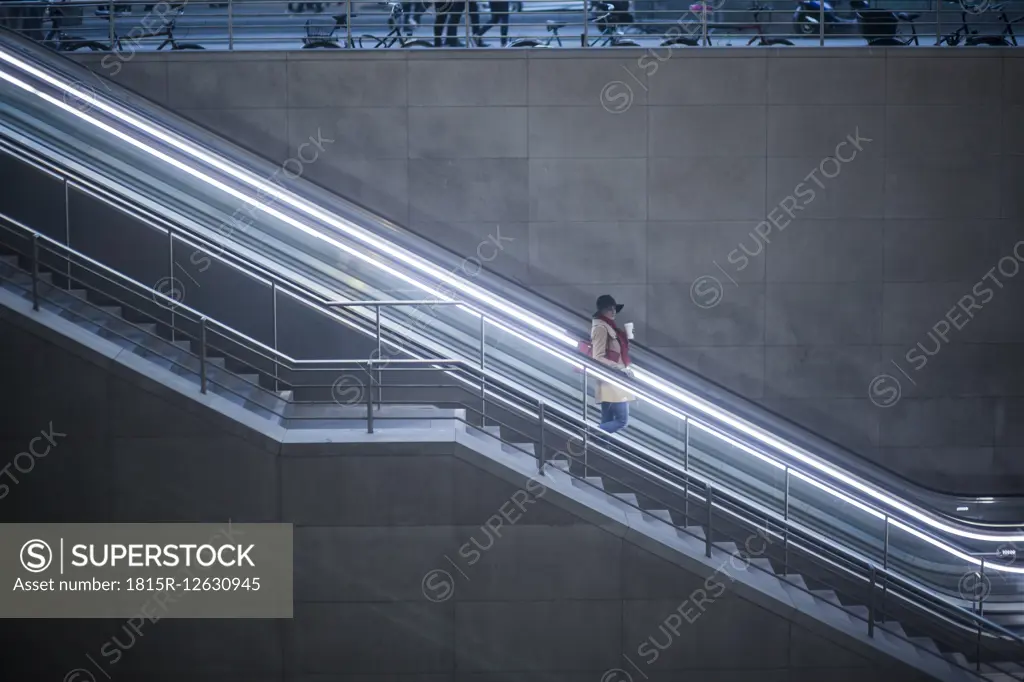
[128,27]
[874,597]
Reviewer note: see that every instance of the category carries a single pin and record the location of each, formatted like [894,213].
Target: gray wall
[554,599]
[644,202]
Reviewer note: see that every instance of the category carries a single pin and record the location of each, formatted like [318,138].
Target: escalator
[67,144]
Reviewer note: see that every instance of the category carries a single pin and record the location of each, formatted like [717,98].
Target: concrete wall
[616,172]
[554,599]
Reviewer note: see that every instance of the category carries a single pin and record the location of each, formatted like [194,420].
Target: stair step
[795,579]
[627,500]
[590,483]
[957,658]
[827,595]
[859,612]
[926,643]
[696,532]
[520,448]
[560,463]
[895,628]
[763,564]
[727,547]
[658,515]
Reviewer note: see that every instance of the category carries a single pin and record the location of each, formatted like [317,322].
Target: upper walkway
[70,25]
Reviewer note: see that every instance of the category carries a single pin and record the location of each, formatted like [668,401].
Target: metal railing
[869,591]
[128,27]
[795,473]
[792,471]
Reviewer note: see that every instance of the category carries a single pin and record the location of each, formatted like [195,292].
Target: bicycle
[168,31]
[317,35]
[605,20]
[760,38]
[57,39]
[970,38]
[398,24]
[880,27]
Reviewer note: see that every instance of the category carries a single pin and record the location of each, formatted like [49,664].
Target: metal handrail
[795,437]
[648,392]
[66,252]
[591,367]
[598,371]
[875,575]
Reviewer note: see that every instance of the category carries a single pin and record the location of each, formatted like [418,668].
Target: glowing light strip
[302,205]
[344,226]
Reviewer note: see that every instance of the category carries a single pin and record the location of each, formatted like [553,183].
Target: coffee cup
[629,330]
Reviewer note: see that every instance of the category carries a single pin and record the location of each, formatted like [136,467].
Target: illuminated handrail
[485,304]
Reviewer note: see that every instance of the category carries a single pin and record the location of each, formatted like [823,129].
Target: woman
[610,346]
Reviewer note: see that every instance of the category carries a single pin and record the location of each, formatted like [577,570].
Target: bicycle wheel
[378,42]
[680,42]
[419,42]
[525,42]
[88,44]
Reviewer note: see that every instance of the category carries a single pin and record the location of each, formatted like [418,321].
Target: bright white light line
[428,268]
[302,205]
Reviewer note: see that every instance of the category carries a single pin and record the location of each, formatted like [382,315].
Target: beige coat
[604,339]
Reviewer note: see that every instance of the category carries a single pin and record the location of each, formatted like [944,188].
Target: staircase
[676,532]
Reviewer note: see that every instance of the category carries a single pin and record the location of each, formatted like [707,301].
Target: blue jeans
[614,416]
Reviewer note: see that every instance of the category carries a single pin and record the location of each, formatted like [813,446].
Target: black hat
[605,302]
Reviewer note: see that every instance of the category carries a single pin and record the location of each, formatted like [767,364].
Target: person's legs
[455,12]
[440,19]
[499,17]
[614,416]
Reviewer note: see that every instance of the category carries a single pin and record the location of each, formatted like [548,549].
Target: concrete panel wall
[642,176]
[546,597]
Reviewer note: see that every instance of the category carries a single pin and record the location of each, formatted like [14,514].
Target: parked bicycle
[881,27]
[320,36]
[56,38]
[167,31]
[398,23]
[760,38]
[603,14]
[971,38]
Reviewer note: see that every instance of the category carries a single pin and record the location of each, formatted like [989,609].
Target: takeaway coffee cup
[629,330]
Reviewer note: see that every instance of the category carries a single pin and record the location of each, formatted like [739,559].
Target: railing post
[110,25]
[785,537]
[369,404]
[540,447]
[586,17]
[981,588]
[885,563]
[273,301]
[686,468]
[977,662]
[67,228]
[711,507]
[202,354]
[376,368]
[938,21]
[483,378]
[35,272]
[821,24]
[586,431]
[231,25]
[348,24]
[704,21]
[871,604]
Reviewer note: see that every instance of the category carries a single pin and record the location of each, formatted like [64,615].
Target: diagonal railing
[708,429]
[697,507]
